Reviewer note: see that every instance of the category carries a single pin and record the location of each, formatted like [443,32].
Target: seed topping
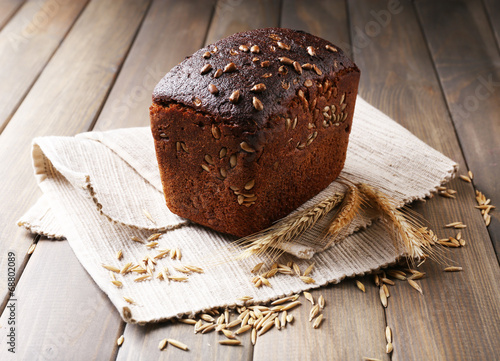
[255,49]
[285,60]
[311,51]
[246,147]
[218,73]
[213,89]
[257,104]
[206,54]
[206,68]
[235,97]
[297,67]
[229,68]
[331,48]
[215,131]
[258,88]
[244,48]
[284,46]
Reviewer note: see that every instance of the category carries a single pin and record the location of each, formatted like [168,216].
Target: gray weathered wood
[235,16]
[141,343]
[468,65]
[64,101]
[57,322]
[7,9]
[354,321]
[26,45]
[492,9]
[399,78]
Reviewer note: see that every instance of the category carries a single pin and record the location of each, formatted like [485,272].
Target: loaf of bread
[249,128]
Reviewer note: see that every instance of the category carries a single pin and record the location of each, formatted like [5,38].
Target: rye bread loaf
[250,127]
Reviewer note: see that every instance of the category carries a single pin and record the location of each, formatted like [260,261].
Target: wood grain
[398,77]
[354,322]
[353,328]
[27,44]
[57,322]
[88,62]
[141,343]
[7,9]
[233,16]
[492,9]
[326,19]
[171,31]
[471,85]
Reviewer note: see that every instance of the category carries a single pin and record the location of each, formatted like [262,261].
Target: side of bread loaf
[249,128]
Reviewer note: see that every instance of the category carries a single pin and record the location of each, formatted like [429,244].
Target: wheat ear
[273,240]
[348,210]
[406,231]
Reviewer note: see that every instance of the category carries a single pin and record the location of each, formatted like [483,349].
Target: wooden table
[434,66]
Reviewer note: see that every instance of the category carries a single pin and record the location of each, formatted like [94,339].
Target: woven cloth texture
[102,188]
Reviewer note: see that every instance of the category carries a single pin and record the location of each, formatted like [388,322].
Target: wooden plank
[458,315]
[54,321]
[65,100]
[354,322]
[141,343]
[27,44]
[171,31]
[326,19]
[471,85]
[353,328]
[7,9]
[492,9]
[234,16]
[159,46]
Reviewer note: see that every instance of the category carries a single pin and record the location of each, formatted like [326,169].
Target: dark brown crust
[186,85]
[289,165]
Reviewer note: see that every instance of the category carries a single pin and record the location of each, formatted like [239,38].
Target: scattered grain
[136,239]
[120,340]
[230,342]
[309,297]
[453,269]
[388,334]
[314,312]
[321,302]
[177,344]
[360,285]
[163,343]
[383,297]
[309,269]
[415,285]
[111,268]
[33,246]
[317,321]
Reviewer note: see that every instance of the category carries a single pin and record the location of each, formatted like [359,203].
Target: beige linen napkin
[102,188]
